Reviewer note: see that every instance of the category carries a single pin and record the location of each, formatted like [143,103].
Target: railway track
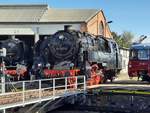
[121,96]
[130,87]
[123,83]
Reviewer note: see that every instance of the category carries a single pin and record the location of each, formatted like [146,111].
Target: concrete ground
[124,78]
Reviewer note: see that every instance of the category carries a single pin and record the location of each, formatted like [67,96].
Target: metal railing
[22,93]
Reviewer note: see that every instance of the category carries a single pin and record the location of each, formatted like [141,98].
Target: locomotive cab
[139,60]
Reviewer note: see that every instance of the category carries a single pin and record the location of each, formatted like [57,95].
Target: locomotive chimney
[67,27]
[12,36]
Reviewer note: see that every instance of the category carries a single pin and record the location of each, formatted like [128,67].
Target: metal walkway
[29,92]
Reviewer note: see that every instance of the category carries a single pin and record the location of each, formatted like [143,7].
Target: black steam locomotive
[70,53]
[65,53]
[17,59]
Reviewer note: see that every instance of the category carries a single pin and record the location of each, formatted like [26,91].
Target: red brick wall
[93,26]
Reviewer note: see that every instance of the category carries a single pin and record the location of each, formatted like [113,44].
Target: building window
[101,28]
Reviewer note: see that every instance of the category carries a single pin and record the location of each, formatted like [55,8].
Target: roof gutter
[71,22]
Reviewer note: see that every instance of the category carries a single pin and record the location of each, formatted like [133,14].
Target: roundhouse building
[32,22]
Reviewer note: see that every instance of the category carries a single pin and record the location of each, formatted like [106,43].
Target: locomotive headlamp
[130,65]
[61,37]
[104,64]
[48,65]
[39,65]
[71,64]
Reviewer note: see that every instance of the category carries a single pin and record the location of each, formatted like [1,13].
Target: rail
[22,93]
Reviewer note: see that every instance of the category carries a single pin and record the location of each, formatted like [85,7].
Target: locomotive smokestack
[12,37]
[67,27]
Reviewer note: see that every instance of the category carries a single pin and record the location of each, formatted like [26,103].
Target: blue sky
[127,15]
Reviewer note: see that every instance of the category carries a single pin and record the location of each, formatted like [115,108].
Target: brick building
[31,22]
[87,20]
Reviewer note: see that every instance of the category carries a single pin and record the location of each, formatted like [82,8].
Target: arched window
[101,28]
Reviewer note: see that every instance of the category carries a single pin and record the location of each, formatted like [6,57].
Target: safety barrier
[22,93]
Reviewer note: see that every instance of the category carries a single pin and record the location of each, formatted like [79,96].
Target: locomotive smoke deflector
[3,52]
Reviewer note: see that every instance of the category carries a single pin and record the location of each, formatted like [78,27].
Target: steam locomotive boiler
[17,59]
[70,53]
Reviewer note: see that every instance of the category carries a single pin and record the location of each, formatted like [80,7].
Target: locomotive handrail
[40,90]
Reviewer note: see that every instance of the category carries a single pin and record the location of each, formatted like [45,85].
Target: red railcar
[139,61]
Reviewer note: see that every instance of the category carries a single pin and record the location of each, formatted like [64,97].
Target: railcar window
[133,54]
[139,54]
[143,55]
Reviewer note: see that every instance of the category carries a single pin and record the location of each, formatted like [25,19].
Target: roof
[68,15]
[41,13]
[16,31]
[21,13]
[141,46]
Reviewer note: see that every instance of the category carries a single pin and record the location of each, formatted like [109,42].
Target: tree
[117,38]
[127,38]
[123,40]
